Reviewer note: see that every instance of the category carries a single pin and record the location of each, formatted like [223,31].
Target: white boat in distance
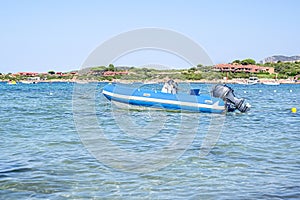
[271,83]
[28,82]
[252,81]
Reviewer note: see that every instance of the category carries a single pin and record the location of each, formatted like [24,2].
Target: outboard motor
[226,93]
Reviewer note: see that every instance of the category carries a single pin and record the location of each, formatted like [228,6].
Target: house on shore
[108,73]
[29,74]
[243,68]
[111,73]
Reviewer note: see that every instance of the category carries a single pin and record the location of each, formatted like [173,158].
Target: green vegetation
[110,67]
[51,72]
[283,70]
[42,76]
[100,68]
[247,61]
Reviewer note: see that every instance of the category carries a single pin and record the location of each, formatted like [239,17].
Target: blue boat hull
[160,100]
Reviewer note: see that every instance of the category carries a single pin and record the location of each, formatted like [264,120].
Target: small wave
[15,170]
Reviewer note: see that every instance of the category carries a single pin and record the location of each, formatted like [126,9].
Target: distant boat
[81,82]
[271,83]
[150,82]
[13,82]
[222,98]
[241,83]
[29,82]
[252,81]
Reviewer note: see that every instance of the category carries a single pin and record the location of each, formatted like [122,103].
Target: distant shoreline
[223,81]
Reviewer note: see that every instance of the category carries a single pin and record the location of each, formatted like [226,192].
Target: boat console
[170,87]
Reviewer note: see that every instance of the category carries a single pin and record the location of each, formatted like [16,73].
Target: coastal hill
[281,58]
[237,69]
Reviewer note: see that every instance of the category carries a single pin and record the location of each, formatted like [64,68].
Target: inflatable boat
[220,100]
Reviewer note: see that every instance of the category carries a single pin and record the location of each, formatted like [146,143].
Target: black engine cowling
[226,93]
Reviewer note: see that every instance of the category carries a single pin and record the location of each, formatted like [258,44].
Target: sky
[60,34]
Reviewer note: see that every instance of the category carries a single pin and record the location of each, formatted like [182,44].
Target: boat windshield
[253,78]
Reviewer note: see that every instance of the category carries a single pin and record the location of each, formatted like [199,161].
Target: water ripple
[42,156]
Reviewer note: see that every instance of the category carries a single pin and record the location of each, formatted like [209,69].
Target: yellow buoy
[294,110]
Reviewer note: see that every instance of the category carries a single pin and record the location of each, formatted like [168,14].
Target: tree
[111,67]
[236,61]
[248,61]
[51,72]
[199,66]
[192,69]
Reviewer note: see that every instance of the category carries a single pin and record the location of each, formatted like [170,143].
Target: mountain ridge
[281,58]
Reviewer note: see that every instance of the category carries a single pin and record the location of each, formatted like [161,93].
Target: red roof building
[243,68]
[28,73]
[111,73]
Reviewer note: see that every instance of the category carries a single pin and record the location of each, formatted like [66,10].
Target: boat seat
[195,92]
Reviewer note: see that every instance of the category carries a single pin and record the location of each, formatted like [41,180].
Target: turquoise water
[42,156]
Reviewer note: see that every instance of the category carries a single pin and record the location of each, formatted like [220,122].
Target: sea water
[45,153]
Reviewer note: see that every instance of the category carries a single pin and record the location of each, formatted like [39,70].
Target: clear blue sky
[58,35]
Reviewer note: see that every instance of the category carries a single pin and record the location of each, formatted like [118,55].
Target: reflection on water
[42,157]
